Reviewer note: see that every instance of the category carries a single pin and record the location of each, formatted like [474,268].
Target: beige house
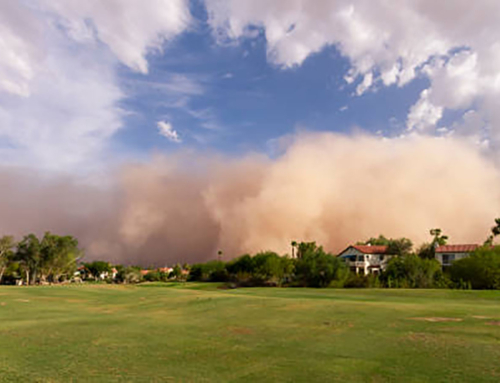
[366,259]
[446,254]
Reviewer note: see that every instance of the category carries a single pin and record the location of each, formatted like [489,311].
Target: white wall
[439,256]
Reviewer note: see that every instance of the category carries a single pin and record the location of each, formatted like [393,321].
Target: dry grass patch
[438,319]
[494,323]
[240,330]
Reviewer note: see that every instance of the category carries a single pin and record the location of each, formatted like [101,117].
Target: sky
[84,84]
[91,88]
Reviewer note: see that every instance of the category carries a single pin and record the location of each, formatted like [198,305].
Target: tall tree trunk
[27,277]
[2,270]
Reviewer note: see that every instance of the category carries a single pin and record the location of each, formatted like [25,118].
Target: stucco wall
[439,256]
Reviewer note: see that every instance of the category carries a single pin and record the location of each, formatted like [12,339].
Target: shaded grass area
[198,333]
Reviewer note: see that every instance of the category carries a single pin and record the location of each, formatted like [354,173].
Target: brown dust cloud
[331,188]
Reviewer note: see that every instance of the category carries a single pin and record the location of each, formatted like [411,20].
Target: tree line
[311,266]
[49,259]
[54,258]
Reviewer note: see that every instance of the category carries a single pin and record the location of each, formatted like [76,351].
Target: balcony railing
[361,264]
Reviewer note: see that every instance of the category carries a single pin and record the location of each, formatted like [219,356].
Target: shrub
[362,281]
[480,271]
[153,276]
[129,274]
[241,265]
[271,269]
[211,271]
[316,268]
[411,271]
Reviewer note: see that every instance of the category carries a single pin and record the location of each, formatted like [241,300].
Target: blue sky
[243,100]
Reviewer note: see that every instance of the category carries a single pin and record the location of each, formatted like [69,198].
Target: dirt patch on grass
[420,337]
[76,301]
[438,319]
[23,300]
[494,323]
[240,330]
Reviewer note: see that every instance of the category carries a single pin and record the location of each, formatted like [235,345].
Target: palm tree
[495,230]
[439,240]
[294,245]
[219,255]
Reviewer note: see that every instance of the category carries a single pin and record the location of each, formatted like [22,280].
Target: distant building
[166,270]
[446,254]
[366,259]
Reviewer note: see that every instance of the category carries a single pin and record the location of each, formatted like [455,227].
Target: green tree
[306,247]
[379,241]
[438,239]
[59,257]
[411,271]
[428,250]
[481,270]
[7,245]
[294,247]
[211,271]
[176,272]
[495,230]
[398,246]
[316,268]
[129,274]
[243,265]
[97,268]
[270,268]
[29,255]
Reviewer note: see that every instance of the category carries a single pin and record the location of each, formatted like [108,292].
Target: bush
[480,271]
[211,271]
[130,274]
[243,265]
[412,271]
[271,269]
[153,276]
[362,281]
[316,268]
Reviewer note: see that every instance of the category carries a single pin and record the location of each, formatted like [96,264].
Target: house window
[448,258]
[361,258]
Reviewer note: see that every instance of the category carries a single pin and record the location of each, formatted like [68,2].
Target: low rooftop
[468,248]
[368,249]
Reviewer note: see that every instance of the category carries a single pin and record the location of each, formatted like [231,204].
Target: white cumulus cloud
[59,89]
[130,28]
[455,43]
[166,130]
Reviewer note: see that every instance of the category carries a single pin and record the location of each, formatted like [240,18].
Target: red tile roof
[373,249]
[367,249]
[456,248]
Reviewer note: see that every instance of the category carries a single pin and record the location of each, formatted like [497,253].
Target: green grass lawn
[198,333]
